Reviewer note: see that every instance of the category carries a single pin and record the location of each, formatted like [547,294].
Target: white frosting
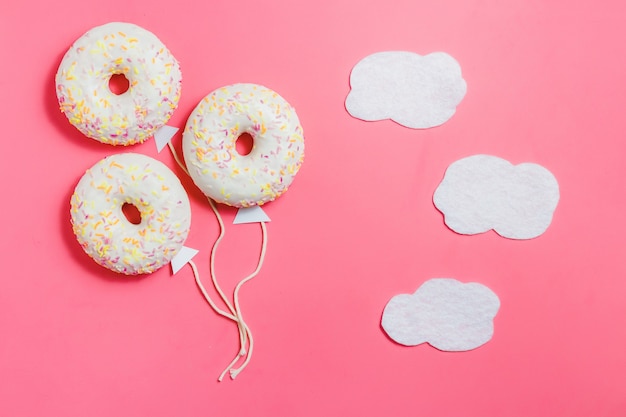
[108,236]
[82,84]
[210,152]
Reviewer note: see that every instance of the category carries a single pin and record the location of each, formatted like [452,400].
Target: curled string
[235,372]
[242,333]
[245,335]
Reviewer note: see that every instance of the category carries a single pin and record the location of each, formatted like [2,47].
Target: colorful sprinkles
[82,84]
[209,145]
[108,236]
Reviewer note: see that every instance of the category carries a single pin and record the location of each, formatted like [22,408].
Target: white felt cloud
[443,312]
[484,192]
[413,90]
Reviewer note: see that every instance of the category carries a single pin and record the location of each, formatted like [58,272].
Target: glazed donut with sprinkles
[102,228]
[209,145]
[154,84]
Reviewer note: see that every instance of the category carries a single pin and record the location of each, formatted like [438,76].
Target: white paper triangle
[182,258]
[254,214]
[163,135]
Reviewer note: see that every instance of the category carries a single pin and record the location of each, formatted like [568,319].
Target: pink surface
[546,84]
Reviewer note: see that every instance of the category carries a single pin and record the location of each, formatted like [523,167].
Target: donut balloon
[154,84]
[108,236]
[209,145]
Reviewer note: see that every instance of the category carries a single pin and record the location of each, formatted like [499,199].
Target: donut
[82,84]
[108,236]
[209,145]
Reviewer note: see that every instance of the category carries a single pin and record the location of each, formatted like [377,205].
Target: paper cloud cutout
[484,192]
[445,313]
[413,90]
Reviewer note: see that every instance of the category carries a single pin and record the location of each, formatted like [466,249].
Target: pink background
[546,84]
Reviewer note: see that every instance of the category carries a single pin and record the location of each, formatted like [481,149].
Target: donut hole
[244,144]
[118,84]
[132,213]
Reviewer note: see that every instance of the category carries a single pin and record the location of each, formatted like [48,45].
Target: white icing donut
[211,155]
[108,236]
[82,84]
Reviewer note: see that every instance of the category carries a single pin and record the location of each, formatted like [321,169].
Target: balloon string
[245,335]
[237,319]
[218,288]
[196,275]
[176,158]
[242,333]
[235,372]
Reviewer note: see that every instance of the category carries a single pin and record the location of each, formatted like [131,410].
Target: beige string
[196,275]
[242,333]
[235,372]
[245,335]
